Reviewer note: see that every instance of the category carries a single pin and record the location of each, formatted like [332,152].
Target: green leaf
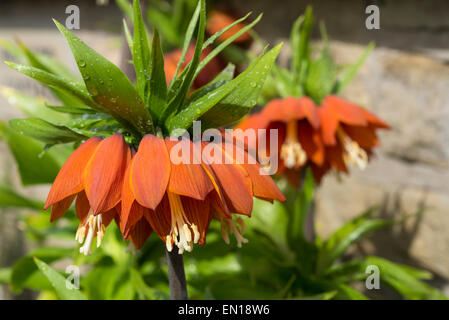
[25,267]
[31,106]
[347,292]
[70,110]
[158,85]
[45,131]
[108,85]
[223,77]
[300,43]
[216,35]
[340,240]
[229,102]
[35,166]
[126,8]
[58,282]
[301,208]
[10,198]
[186,79]
[187,39]
[5,275]
[244,96]
[74,88]
[141,53]
[404,279]
[224,44]
[350,72]
[128,35]
[35,61]
[320,77]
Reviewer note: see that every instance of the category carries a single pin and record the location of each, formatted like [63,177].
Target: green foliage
[315,76]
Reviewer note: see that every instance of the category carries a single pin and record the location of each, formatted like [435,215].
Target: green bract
[106,101]
[313,77]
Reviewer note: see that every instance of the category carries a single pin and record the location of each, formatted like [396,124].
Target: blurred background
[405,81]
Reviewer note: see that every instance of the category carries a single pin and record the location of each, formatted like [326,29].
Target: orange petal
[310,140]
[82,206]
[69,179]
[364,136]
[329,125]
[234,182]
[159,219]
[127,199]
[263,185]
[140,233]
[103,177]
[150,171]
[187,179]
[334,156]
[135,214]
[374,120]
[310,111]
[60,208]
[345,111]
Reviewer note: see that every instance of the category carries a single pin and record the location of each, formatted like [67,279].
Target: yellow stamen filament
[353,154]
[181,228]
[292,152]
[94,226]
[228,225]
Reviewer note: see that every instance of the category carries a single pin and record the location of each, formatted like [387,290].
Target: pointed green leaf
[32,106]
[216,35]
[158,84]
[10,198]
[76,89]
[350,232]
[141,53]
[224,44]
[59,282]
[187,39]
[300,44]
[45,131]
[35,166]
[229,102]
[320,77]
[191,68]
[350,72]
[108,85]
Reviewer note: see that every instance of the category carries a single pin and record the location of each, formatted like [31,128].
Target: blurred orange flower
[299,141]
[334,135]
[348,132]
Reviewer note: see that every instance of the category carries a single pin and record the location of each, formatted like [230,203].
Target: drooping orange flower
[93,175]
[219,20]
[298,139]
[179,198]
[210,71]
[348,132]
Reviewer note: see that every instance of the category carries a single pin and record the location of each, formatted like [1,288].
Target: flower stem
[176,275]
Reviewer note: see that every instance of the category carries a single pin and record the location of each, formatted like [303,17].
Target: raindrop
[253,84]
[82,63]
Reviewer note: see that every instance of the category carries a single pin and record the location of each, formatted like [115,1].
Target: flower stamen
[229,227]
[93,225]
[292,153]
[181,229]
[353,154]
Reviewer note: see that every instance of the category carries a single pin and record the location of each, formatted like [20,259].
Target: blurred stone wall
[405,81]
